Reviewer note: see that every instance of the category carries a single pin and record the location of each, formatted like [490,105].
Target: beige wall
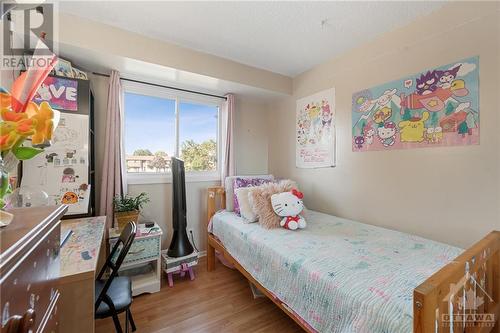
[107,40]
[447,194]
[251,133]
[422,191]
[251,158]
[6,78]
[251,136]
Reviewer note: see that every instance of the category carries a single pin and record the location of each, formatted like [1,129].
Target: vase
[8,163]
[4,186]
[5,217]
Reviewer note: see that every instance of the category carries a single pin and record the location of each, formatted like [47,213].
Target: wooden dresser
[30,269]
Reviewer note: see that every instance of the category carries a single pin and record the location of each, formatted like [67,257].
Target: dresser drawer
[50,321]
[33,282]
[142,249]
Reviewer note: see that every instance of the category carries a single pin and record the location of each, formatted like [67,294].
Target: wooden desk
[79,262]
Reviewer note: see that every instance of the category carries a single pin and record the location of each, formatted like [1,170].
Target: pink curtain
[112,179]
[228,167]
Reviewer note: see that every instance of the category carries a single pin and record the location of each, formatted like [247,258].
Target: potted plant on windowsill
[127,208]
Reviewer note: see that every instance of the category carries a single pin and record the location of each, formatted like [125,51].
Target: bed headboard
[216,199]
[438,303]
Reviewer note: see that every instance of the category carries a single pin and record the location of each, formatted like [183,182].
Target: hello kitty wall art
[315,130]
[437,107]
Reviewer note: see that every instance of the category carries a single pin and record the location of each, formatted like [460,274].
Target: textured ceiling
[283,37]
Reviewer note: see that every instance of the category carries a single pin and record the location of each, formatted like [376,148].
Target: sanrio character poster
[315,130]
[61,94]
[434,108]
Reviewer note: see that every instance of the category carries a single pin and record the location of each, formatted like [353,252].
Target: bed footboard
[464,296]
[216,199]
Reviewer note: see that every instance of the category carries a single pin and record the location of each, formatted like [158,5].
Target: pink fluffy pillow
[261,201]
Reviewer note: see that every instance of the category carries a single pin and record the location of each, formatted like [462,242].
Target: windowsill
[159,178]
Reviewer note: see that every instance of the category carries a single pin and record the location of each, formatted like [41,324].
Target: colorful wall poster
[315,130]
[62,169]
[61,94]
[437,107]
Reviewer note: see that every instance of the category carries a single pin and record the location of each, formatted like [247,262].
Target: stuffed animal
[289,205]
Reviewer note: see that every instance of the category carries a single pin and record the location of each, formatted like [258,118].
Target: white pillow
[229,187]
[246,208]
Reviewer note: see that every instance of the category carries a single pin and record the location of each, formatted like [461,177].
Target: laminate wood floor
[219,301]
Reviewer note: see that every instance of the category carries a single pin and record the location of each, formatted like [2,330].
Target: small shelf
[144,279]
[143,262]
[134,264]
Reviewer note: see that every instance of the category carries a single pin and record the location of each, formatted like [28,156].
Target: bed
[343,276]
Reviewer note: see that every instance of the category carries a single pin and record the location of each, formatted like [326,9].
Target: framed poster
[61,94]
[434,108]
[315,130]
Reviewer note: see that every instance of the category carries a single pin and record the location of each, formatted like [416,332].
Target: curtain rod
[163,86]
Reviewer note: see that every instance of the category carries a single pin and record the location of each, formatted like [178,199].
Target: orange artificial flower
[26,127]
[12,132]
[5,99]
[8,135]
[36,121]
[8,140]
[9,115]
[44,126]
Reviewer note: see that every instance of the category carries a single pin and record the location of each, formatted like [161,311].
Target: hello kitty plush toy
[289,205]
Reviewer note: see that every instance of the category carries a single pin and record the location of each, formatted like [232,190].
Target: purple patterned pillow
[246,182]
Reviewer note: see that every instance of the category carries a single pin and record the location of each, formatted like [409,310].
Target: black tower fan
[180,245]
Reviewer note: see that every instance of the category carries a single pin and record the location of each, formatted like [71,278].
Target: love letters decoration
[61,94]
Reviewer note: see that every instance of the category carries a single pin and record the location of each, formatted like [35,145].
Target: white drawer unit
[143,261]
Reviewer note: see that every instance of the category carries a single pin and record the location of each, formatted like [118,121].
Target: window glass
[149,133]
[198,136]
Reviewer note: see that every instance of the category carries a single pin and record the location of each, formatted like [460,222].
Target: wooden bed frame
[476,269]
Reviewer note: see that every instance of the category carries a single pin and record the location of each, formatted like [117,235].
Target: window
[149,132]
[161,123]
[198,136]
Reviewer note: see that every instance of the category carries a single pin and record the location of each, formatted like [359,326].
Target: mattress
[337,275]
